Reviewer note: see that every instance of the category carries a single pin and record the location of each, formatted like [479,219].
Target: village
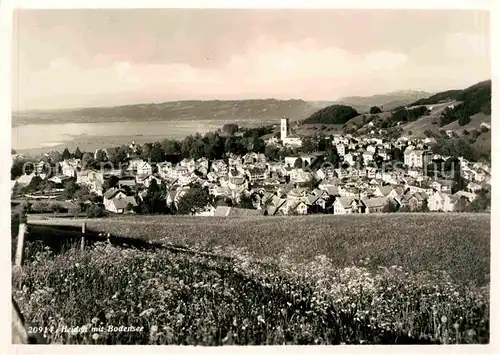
[367,179]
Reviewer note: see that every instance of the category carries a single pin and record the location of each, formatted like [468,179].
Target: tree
[100,157]
[40,206]
[78,154]
[246,202]
[110,183]
[375,110]
[257,145]
[155,199]
[271,152]
[16,170]
[482,202]
[70,188]
[171,147]
[119,156]
[157,154]
[230,128]
[75,209]
[66,154]
[463,118]
[94,211]
[459,183]
[146,151]
[87,160]
[55,156]
[195,200]
[299,164]
[308,145]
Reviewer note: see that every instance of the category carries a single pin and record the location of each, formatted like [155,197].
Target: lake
[33,138]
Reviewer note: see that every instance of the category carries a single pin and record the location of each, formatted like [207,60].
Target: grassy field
[385,279]
[456,243]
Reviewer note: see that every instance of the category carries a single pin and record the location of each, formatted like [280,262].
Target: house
[371,173]
[68,167]
[341,173]
[146,180]
[225,211]
[144,168]
[473,187]
[292,141]
[349,158]
[315,203]
[116,201]
[416,157]
[59,179]
[439,201]
[341,149]
[384,191]
[298,207]
[375,204]
[468,195]
[299,176]
[127,182]
[371,149]
[256,174]
[442,185]
[220,167]
[175,194]
[276,206]
[344,205]
[367,157]
[25,180]
[413,201]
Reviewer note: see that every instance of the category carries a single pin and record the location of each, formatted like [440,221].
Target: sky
[77,58]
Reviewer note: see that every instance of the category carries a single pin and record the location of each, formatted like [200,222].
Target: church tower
[284,128]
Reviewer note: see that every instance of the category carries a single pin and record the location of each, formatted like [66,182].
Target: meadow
[385,279]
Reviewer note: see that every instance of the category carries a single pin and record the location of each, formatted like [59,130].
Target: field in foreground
[177,298]
[456,243]
[365,279]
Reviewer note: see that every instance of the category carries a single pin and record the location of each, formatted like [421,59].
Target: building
[340,149]
[344,205]
[375,204]
[285,126]
[416,158]
[116,201]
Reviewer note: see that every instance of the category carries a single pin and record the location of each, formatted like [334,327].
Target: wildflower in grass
[455,325]
[95,320]
[444,319]
[95,336]
[260,319]
[153,329]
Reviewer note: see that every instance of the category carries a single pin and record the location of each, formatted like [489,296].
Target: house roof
[345,201]
[386,190]
[221,211]
[311,199]
[112,193]
[25,179]
[467,195]
[122,202]
[375,202]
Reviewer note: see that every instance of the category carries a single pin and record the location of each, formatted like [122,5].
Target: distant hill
[386,101]
[478,96]
[234,110]
[334,114]
[473,102]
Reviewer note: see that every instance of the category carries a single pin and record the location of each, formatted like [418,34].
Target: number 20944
[40,329]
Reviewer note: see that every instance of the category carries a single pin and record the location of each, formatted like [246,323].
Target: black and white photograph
[218,177]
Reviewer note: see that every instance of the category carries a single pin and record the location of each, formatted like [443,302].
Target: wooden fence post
[82,241]
[20,245]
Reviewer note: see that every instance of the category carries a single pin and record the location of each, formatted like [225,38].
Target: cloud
[294,69]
